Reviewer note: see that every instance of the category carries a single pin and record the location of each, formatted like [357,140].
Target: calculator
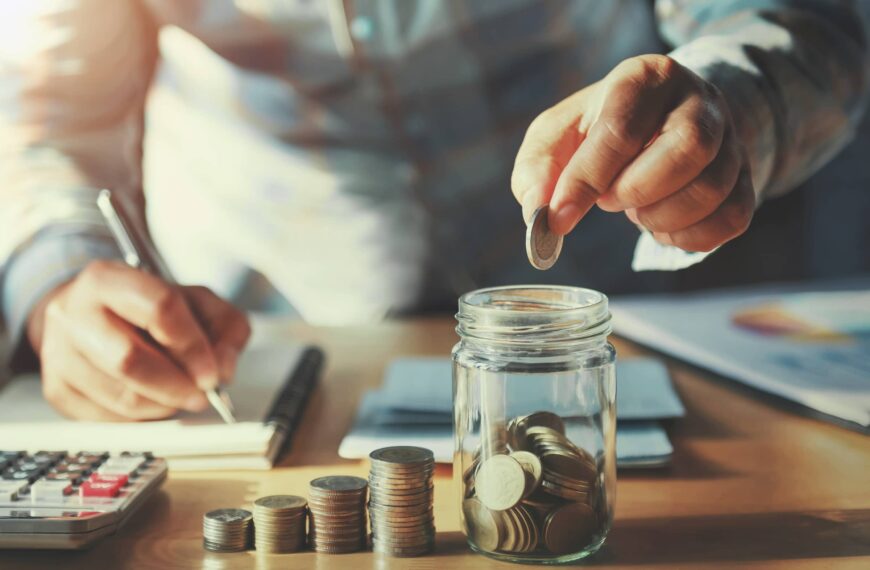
[55,499]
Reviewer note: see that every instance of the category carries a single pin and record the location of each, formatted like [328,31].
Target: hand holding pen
[98,365]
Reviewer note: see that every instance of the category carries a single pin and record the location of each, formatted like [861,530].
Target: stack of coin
[542,494]
[227,530]
[400,502]
[337,506]
[279,522]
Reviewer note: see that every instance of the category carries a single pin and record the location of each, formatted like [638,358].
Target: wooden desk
[752,485]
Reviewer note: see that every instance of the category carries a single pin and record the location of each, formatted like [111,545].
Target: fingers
[728,221]
[547,147]
[697,200]
[117,349]
[75,406]
[60,394]
[112,394]
[150,304]
[635,101]
[227,327]
[689,140]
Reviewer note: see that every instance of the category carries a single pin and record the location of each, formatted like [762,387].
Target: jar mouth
[533,314]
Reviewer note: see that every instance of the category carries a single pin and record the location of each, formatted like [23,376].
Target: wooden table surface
[752,484]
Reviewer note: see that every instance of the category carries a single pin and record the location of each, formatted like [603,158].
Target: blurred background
[820,231]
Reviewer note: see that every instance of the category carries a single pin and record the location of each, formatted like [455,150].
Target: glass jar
[534,404]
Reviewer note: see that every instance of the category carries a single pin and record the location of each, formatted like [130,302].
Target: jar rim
[535,312]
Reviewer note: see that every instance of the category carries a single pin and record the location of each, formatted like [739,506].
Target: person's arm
[73,77]
[758,95]
[794,74]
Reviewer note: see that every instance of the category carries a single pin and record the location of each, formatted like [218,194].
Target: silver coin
[280,502]
[228,515]
[339,483]
[403,455]
[542,246]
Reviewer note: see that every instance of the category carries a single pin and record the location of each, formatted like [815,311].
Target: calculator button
[49,491]
[97,489]
[12,454]
[19,475]
[48,457]
[120,480]
[86,459]
[121,466]
[72,478]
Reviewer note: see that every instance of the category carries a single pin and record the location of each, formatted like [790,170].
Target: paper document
[809,345]
[415,407]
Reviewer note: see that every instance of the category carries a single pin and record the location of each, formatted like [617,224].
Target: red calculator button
[97,489]
[120,480]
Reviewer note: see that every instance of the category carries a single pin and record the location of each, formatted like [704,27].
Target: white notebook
[189,441]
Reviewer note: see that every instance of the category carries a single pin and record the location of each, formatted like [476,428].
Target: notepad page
[28,422]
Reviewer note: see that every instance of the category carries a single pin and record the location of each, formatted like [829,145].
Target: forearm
[794,74]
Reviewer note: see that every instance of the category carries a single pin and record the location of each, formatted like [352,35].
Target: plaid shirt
[358,152]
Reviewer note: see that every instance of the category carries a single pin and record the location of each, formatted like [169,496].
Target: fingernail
[531,202]
[196,403]
[564,219]
[631,214]
[207,380]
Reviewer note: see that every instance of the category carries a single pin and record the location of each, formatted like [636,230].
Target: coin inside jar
[568,527]
[542,246]
[501,482]
[533,468]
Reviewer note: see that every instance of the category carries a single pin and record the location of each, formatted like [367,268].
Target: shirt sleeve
[794,73]
[73,77]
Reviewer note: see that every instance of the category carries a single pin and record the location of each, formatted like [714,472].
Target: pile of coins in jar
[400,506]
[539,492]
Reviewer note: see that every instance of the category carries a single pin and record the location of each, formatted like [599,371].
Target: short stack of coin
[400,501]
[337,521]
[542,495]
[227,530]
[279,522]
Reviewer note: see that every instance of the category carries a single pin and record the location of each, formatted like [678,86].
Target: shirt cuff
[46,262]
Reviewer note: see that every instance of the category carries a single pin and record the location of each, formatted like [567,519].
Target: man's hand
[651,139]
[96,363]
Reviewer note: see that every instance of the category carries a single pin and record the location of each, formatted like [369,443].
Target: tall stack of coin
[542,495]
[400,502]
[279,522]
[227,530]
[337,507]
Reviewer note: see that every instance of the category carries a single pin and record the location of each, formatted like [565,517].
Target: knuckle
[167,303]
[651,220]
[698,141]
[622,136]
[737,216]
[631,195]
[706,194]
[129,358]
